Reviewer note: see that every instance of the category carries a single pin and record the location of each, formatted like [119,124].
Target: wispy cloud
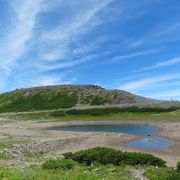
[146,83]
[166,94]
[41,80]
[19,33]
[167,63]
[47,80]
[141,53]
[52,45]
[60,65]
[49,42]
[57,51]
[77,24]
[163,33]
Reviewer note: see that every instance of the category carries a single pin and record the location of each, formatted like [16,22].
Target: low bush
[162,174]
[178,167]
[110,156]
[63,164]
[40,102]
[105,111]
[58,113]
[97,100]
[30,154]
[3,157]
[10,174]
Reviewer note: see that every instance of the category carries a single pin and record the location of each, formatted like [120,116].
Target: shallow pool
[148,134]
[154,143]
[140,130]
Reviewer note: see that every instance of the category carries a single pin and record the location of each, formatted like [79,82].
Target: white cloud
[169,62]
[74,26]
[48,80]
[146,83]
[16,39]
[122,57]
[42,80]
[49,67]
[80,19]
[163,33]
[52,46]
[166,94]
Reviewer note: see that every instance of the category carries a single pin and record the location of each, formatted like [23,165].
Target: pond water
[154,143]
[148,134]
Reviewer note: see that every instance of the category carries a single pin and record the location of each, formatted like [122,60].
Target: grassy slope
[42,168]
[54,97]
[83,172]
[172,116]
[21,101]
[51,98]
[98,172]
[78,173]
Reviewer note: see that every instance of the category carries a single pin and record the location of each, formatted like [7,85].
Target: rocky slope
[65,96]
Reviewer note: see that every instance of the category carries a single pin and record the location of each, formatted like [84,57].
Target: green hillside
[64,96]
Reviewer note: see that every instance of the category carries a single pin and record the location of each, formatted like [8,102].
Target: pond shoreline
[38,131]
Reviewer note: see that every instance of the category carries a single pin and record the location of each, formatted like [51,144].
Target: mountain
[66,96]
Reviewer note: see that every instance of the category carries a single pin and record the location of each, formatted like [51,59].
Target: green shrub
[58,113]
[39,102]
[105,111]
[178,167]
[97,100]
[59,164]
[162,174]
[110,156]
[30,154]
[3,157]
[10,174]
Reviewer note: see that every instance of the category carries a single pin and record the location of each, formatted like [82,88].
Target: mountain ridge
[66,96]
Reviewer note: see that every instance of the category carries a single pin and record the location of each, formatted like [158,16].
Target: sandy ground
[40,132]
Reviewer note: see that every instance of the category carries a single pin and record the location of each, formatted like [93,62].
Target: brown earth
[41,132]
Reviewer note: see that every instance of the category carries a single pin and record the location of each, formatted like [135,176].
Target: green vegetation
[39,102]
[107,164]
[106,111]
[110,156]
[65,115]
[3,157]
[3,146]
[65,96]
[128,113]
[178,167]
[97,100]
[50,103]
[162,174]
[59,164]
[10,174]
[79,172]
[82,172]
[30,154]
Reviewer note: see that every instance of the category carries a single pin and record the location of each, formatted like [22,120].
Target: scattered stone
[18,150]
[138,174]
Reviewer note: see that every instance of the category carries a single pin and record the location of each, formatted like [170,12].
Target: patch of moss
[162,174]
[33,154]
[39,102]
[3,157]
[98,100]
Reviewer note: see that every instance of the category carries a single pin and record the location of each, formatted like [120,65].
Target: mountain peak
[65,96]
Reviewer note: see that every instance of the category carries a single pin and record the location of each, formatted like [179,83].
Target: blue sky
[123,44]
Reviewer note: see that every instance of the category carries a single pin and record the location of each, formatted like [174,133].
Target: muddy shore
[40,132]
